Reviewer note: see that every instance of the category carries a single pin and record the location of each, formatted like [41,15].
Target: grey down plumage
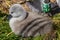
[28,24]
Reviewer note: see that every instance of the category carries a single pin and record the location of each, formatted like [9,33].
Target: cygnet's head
[16,10]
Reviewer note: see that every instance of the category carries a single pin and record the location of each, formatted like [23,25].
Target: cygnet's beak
[9,17]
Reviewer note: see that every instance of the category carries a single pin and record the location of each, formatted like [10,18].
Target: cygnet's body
[28,24]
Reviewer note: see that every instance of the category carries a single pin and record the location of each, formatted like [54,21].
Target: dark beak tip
[9,17]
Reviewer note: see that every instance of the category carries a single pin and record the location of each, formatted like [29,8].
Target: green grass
[5,30]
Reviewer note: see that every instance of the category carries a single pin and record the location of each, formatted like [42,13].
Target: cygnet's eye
[11,12]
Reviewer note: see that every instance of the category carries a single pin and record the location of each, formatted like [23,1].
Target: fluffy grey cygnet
[28,24]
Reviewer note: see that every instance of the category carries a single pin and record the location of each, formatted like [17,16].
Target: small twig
[3,17]
[9,33]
